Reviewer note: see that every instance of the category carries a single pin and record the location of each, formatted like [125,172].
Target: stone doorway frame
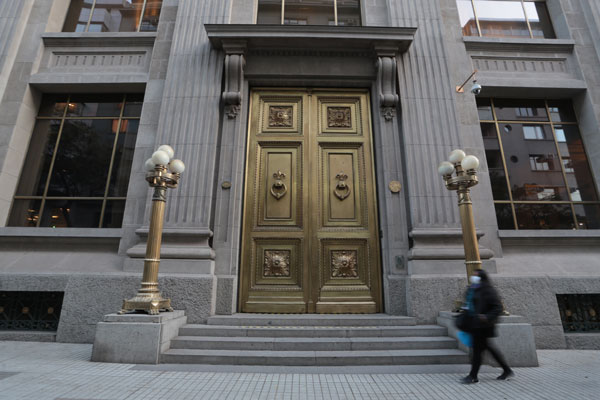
[357,57]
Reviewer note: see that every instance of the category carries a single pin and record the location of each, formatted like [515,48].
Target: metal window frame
[44,197]
[335,11]
[139,25]
[579,319]
[524,13]
[551,123]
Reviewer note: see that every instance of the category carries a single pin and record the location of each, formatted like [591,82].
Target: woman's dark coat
[486,302]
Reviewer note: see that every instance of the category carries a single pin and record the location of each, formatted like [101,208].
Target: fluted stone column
[189,122]
[430,130]
[587,49]
[21,25]
[10,34]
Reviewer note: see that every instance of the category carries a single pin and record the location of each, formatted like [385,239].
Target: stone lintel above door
[261,53]
[311,37]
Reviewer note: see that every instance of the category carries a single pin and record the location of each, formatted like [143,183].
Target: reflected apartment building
[311,131]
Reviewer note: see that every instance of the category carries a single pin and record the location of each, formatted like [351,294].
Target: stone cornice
[317,37]
[106,39]
[519,45]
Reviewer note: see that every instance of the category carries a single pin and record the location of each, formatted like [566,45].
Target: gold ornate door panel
[310,241]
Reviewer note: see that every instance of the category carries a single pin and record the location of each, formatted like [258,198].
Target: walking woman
[484,302]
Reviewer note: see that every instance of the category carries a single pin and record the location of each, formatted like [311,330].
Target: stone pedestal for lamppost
[139,333]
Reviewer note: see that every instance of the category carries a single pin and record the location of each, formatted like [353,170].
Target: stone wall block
[426,296]
[89,297]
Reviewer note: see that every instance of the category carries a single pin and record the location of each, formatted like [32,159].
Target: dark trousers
[480,344]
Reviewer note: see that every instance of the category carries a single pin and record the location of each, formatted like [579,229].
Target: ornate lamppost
[162,173]
[466,177]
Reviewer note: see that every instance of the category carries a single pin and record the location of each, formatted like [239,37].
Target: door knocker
[278,189]
[342,190]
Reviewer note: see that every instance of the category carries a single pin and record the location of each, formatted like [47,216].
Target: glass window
[113,16]
[508,18]
[309,12]
[467,18]
[539,171]
[78,163]
[484,108]
[539,20]
[520,110]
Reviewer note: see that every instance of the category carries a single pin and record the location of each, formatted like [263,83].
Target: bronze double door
[310,235]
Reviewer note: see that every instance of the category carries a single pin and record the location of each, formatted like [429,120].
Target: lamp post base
[149,304]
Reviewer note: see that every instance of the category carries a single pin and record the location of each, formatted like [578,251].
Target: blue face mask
[475,280]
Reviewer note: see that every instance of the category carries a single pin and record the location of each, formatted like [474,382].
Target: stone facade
[196,73]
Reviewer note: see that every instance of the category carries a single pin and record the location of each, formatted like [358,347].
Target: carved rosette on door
[310,241]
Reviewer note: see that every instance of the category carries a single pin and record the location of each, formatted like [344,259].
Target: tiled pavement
[63,371]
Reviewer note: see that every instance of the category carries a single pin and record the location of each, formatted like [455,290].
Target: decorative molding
[339,117]
[388,113]
[281,116]
[386,82]
[98,59]
[232,110]
[311,36]
[519,45]
[554,237]
[104,39]
[234,77]
[310,52]
[344,264]
[19,232]
[277,263]
[237,40]
[178,243]
[442,244]
[520,64]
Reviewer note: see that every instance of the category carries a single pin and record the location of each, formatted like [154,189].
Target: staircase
[313,340]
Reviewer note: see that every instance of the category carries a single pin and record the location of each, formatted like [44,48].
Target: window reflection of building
[309,12]
[540,162]
[539,171]
[509,18]
[78,162]
[113,16]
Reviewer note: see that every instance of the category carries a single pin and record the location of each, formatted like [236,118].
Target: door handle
[342,190]
[278,188]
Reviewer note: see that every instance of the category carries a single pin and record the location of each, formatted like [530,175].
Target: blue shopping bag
[465,338]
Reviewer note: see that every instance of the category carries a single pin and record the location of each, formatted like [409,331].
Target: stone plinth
[135,338]
[515,339]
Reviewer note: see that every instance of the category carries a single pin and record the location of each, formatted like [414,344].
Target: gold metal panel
[278,263]
[310,236]
[345,277]
[344,263]
[342,188]
[279,184]
[339,116]
[280,115]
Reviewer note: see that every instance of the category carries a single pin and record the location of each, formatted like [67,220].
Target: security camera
[476,88]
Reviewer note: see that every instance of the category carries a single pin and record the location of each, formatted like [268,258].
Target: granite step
[308,358]
[311,320]
[312,331]
[312,344]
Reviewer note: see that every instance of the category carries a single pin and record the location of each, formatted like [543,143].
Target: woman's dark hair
[484,276]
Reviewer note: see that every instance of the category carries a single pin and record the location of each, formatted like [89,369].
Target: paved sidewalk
[63,371]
